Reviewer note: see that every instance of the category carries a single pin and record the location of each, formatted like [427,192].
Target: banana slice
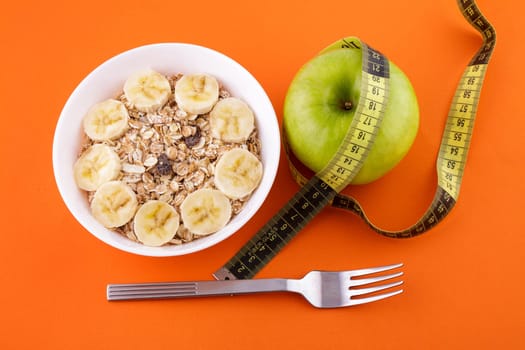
[231,120]
[107,120]
[147,90]
[205,211]
[97,165]
[156,223]
[197,93]
[237,173]
[114,204]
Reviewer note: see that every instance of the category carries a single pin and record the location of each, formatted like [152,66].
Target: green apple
[320,105]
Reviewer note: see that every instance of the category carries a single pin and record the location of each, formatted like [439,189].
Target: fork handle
[169,290]
[241,286]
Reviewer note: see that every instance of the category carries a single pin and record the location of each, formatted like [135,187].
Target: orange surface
[463,280]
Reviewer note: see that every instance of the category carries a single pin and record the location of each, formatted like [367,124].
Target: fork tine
[371,270]
[363,281]
[361,291]
[374,298]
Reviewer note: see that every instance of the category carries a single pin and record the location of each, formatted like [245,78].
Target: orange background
[463,280]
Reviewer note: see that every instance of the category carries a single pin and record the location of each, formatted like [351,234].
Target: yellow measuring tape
[324,187]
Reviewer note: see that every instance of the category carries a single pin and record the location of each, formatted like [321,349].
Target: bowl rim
[270,152]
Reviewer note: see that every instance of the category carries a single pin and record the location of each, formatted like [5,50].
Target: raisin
[164,165]
[194,139]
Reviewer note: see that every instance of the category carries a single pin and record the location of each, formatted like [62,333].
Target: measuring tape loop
[324,188]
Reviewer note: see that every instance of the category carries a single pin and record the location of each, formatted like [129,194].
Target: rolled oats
[167,154]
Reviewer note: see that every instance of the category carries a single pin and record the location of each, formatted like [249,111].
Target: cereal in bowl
[170,159]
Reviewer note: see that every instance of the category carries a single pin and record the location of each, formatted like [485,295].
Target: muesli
[170,159]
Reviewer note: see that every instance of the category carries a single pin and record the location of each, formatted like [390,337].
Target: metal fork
[323,289]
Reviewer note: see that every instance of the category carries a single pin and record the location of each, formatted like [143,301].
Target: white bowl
[167,58]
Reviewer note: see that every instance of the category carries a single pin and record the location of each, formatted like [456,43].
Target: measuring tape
[323,188]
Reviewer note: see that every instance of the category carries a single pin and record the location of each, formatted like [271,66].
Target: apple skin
[316,121]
